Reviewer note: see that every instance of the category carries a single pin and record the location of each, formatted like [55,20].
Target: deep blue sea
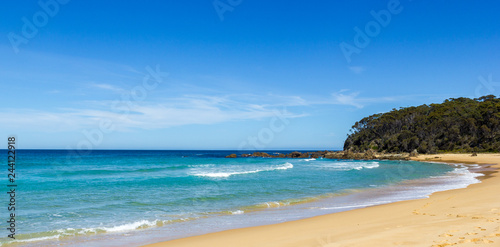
[130,198]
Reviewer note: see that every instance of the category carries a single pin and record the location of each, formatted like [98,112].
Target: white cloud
[159,113]
[347,99]
[125,116]
[352,99]
[357,69]
[107,87]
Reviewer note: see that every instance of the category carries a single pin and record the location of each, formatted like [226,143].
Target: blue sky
[247,74]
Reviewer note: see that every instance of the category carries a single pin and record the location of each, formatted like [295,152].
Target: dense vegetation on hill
[460,125]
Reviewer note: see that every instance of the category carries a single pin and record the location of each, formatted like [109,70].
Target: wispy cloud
[344,98]
[347,99]
[357,69]
[178,110]
[108,87]
[126,116]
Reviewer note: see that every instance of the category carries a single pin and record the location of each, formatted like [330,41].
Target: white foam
[142,224]
[238,212]
[131,226]
[467,177]
[201,165]
[347,166]
[274,204]
[36,239]
[459,177]
[223,174]
[367,166]
[310,159]
[285,166]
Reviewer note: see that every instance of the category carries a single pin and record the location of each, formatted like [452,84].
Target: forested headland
[456,125]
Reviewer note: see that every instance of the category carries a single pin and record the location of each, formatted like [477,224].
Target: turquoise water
[64,196]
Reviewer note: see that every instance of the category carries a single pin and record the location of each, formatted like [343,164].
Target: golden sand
[462,217]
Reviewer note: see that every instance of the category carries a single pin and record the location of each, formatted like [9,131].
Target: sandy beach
[462,217]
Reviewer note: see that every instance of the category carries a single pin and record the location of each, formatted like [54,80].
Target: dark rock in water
[261,154]
[304,156]
[294,154]
[277,155]
[266,155]
[368,155]
[333,155]
[349,154]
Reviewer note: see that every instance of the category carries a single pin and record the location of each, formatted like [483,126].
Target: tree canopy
[457,124]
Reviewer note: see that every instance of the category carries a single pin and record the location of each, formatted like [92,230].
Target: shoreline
[458,216]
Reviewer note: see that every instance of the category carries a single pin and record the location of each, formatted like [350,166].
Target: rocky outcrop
[349,154]
[232,156]
[259,154]
[369,155]
[295,154]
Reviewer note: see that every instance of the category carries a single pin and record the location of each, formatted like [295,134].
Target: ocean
[131,198]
